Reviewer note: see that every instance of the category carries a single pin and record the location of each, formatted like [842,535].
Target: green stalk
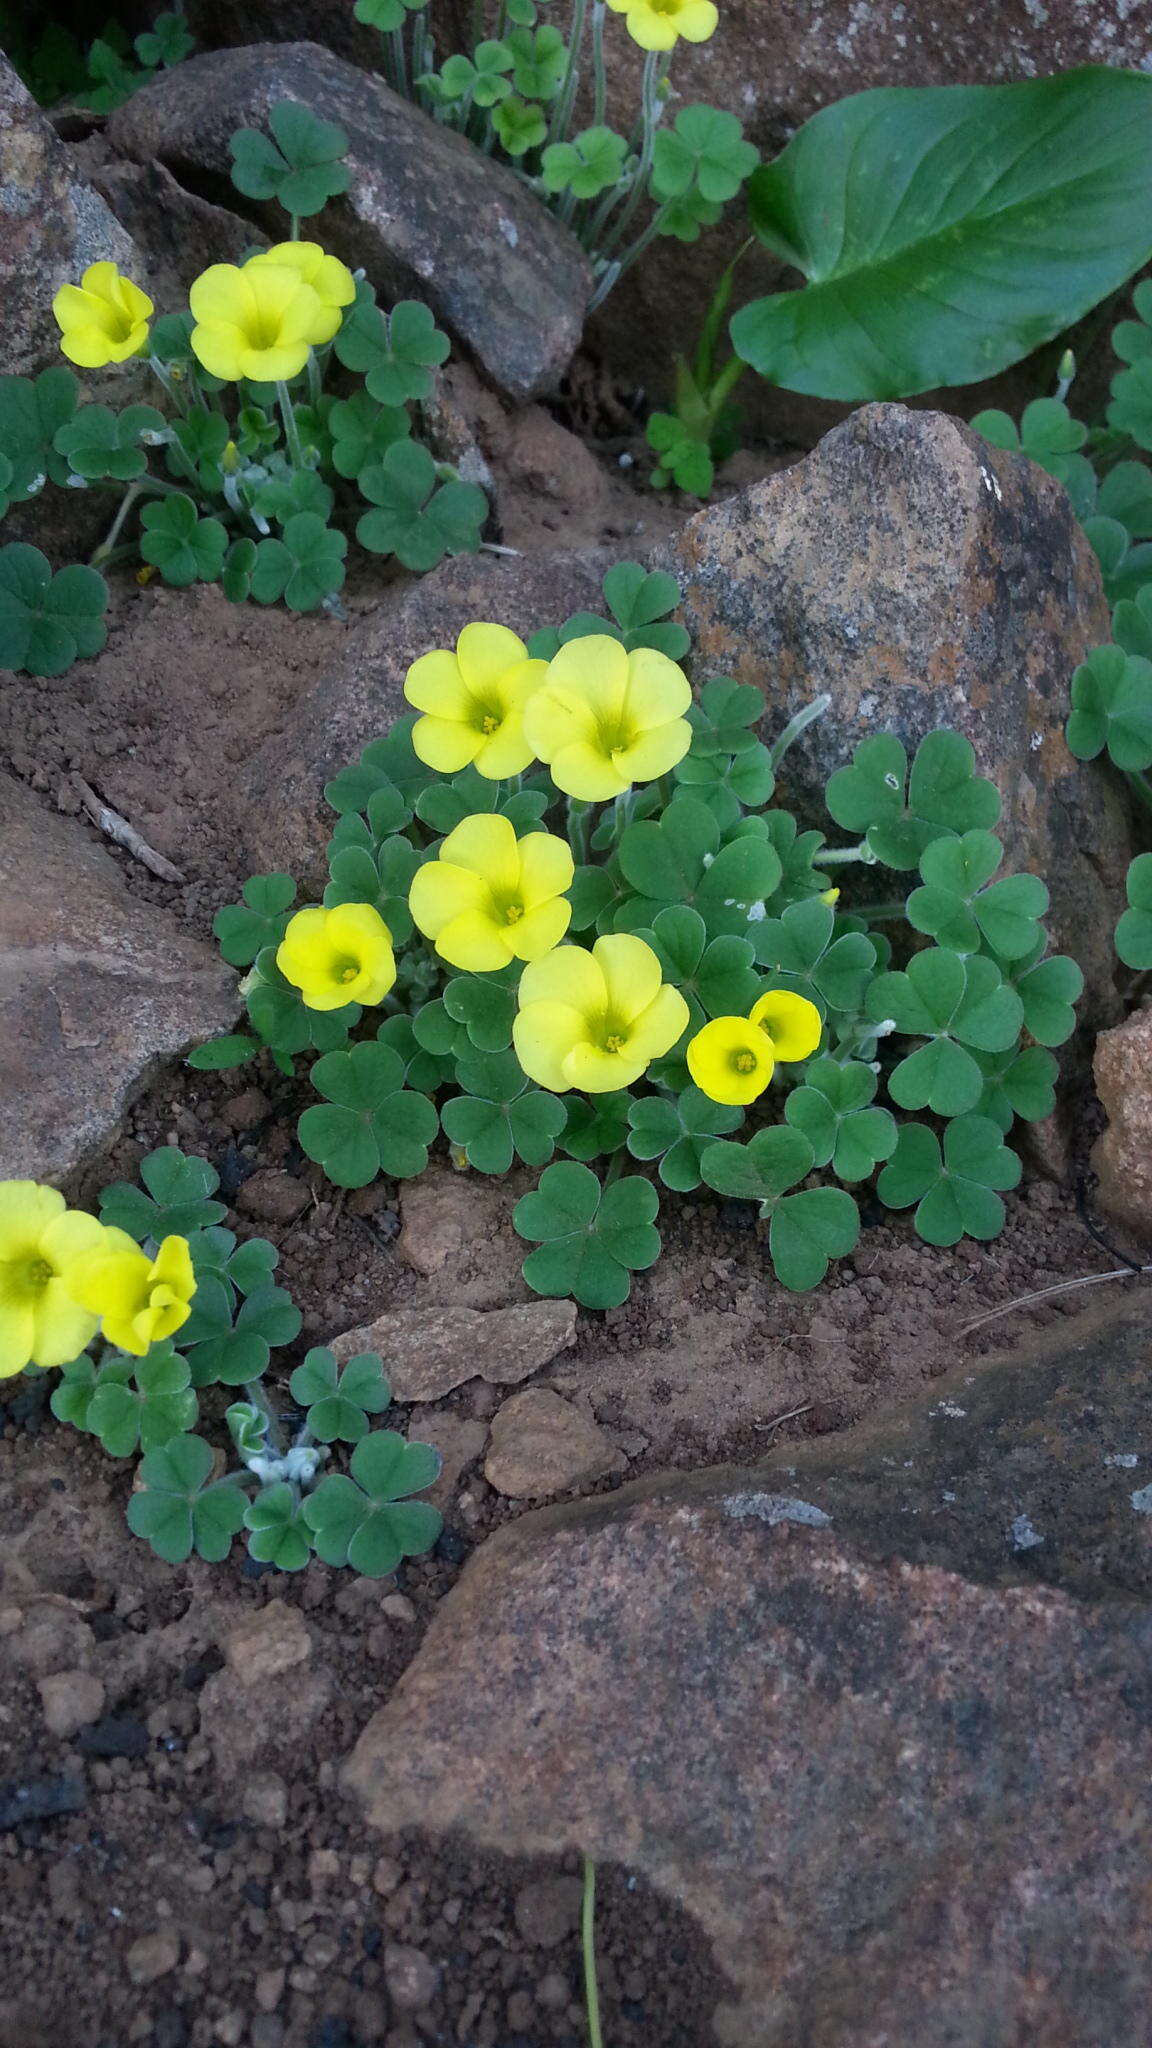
[588,1943]
[838,856]
[799,724]
[399,65]
[293,227]
[704,366]
[599,10]
[140,487]
[291,430]
[578,815]
[651,120]
[477,22]
[566,97]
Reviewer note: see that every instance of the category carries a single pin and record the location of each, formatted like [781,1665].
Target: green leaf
[395,353]
[370,1123]
[676,1131]
[1112,707]
[761,1171]
[705,151]
[590,164]
[833,1110]
[243,930]
[367,1519]
[1134,931]
[520,125]
[486,1006]
[167,43]
[277,1531]
[956,1192]
[590,1241]
[300,166]
[48,621]
[304,567]
[901,813]
[178,1200]
[72,1395]
[340,1402]
[184,547]
[177,1511]
[640,600]
[956,1002]
[502,1116]
[229,1346]
[382,878]
[958,908]
[597,1125]
[802,953]
[418,519]
[942,235]
[680,860]
[1018,1083]
[807,1232]
[539,58]
[236,575]
[1048,991]
[33,410]
[145,1402]
[97,442]
[363,432]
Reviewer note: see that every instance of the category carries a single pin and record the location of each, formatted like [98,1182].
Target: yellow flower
[331,280]
[732,1059]
[596,1020]
[604,719]
[659,24]
[259,322]
[41,1240]
[474,703]
[103,319]
[338,956]
[490,898]
[139,1300]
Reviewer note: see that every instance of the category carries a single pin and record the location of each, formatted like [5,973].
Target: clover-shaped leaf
[98,442]
[72,1394]
[417,518]
[389,764]
[141,1401]
[340,1402]
[241,1268]
[834,1110]
[363,431]
[1017,1083]
[806,1231]
[281,1018]
[483,77]
[1126,496]
[48,621]
[1112,707]
[960,904]
[520,124]
[229,1345]
[640,600]
[597,1125]
[902,812]
[423,1070]
[539,60]
[178,1200]
[1134,931]
[684,455]
[676,1130]
[382,877]
[33,410]
[300,166]
[807,952]
[486,1005]
[680,860]
[445,804]
[286,492]
[243,930]
[705,150]
[369,1123]
[177,1511]
[590,164]
[959,1004]
[304,567]
[386,15]
[166,43]
[395,353]
[277,1531]
[501,1116]
[366,1519]
[248,1427]
[184,547]
[716,975]
[956,1191]
[1048,989]
[590,1240]
[1050,436]
[198,444]
[724,719]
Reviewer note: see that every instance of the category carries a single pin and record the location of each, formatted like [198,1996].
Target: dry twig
[123,834]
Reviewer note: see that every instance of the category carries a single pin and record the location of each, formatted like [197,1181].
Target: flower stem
[598,65]
[399,64]
[141,487]
[566,97]
[291,430]
[838,856]
[651,120]
[588,1944]
[802,720]
[578,815]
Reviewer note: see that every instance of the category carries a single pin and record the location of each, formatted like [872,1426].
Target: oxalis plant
[163,1328]
[514,92]
[252,469]
[940,238]
[567,927]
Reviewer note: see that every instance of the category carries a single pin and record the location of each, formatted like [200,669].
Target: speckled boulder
[1123,1154]
[924,579]
[426,215]
[52,226]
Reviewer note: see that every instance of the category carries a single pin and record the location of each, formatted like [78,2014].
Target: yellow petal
[274,365]
[570,976]
[718,1055]
[434,683]
[597,1072]
[26,1209]
[17,1336]
[540,930]
[62,1328]
[440,893]
[173,1267]
[110,1283]
[792,1023]
[102,280]
[486,653]
[546,868]
[544,1035]
[593,672]
[357,924]
[655,752]
[475,942]
[486,843]
[657,690]
[506,752]
[631,973]
[698,21]
[221,297]
[443,744]
[220,350]
[656,1030]
[70,1236]
[138,306]
[583,771]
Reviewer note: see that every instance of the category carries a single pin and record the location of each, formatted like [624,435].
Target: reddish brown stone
[1123,1155]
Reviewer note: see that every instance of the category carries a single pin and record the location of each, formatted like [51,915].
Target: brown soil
[288,1934]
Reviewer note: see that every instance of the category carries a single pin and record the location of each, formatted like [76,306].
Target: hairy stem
[140,487]
[650,118]
[599,10]
[797,725]
[291,429]
[566,97]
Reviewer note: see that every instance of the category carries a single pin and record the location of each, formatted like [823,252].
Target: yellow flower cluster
[259,320]
[659,24]
[732,1059]
[63,1276]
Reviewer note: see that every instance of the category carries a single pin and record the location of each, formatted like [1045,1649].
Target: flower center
[744,1062]
[347,969]
[614,1042]
[514,913]
[666,6]
[117,322]
[615,736]
[36,1276]
[264,330]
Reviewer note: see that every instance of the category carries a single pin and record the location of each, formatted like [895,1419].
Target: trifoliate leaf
[520,125]
[304,567]
[1134,931]
[184,547]
[243,930]
[33,410]
[675,1130]
[419,519]
[340,1402]
[367,1519]
[48,621]
[369,1122]
[396,353]
[590,1240]
[1112,708]
[277,1531]
[960,904]
[178,1199]
[957,1003]
[98,442]
[590,164]
[705,151]
[300,166]
[900,813]
[834,1111]
[177,1511]
[363,431]
[956,1191]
